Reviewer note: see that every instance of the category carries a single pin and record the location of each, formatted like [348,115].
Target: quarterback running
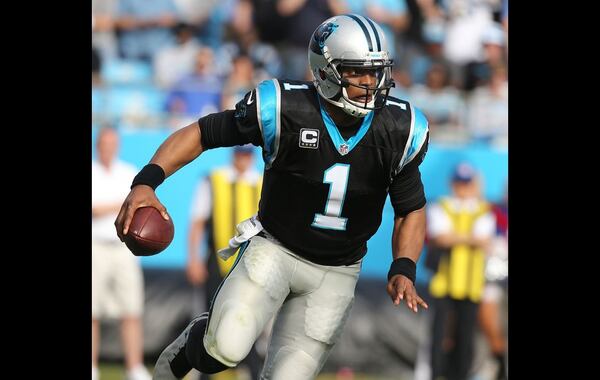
[334,148]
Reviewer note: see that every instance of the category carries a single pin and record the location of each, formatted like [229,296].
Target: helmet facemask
[332,75]
[377,94]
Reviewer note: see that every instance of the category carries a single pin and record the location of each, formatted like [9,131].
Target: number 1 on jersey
[337,177]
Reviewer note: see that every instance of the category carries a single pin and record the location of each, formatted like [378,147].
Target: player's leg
[172,364]
[247,299]
[254,362]
[212,284]
[310,321]
[251,294]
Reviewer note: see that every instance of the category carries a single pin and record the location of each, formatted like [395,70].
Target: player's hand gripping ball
[149,233]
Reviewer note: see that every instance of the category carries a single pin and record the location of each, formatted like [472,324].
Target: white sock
[138,370]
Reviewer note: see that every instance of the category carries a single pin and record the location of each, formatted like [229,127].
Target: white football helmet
[355,41]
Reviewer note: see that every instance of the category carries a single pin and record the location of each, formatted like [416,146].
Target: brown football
[148,232]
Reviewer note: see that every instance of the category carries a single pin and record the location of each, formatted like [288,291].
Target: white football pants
[312,303]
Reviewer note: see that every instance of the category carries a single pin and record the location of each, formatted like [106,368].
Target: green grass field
[117,372]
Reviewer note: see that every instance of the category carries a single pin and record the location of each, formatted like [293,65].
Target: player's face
[361,77]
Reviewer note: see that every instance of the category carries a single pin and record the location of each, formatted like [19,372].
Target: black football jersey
[323,195]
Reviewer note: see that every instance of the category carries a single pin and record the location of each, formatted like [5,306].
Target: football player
[334,148]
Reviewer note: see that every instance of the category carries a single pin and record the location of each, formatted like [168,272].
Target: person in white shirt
[117,280]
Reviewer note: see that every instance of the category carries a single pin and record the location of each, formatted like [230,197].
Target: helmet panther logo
[321,34]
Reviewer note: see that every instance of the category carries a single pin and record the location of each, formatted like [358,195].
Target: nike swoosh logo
[250,100]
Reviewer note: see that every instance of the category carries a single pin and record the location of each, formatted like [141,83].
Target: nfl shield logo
[343,149]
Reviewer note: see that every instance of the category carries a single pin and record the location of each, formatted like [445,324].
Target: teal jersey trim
[269,120]
[344,146]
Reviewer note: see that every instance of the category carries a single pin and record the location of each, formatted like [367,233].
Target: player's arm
[177,150]
[408,199]
[407,243]
[222,129]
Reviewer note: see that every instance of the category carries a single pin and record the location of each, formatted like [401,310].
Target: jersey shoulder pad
[417,136]
[268,111]
[272,93]
[395,117]
[396,105]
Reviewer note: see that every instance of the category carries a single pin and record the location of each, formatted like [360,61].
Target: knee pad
[196,353]
[235,333]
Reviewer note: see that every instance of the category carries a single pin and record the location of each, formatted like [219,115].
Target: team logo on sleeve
[309,138]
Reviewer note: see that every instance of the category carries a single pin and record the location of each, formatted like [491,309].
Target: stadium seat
[126,72]
[134,101]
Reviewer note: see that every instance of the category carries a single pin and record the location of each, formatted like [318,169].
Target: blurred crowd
[162,64]
[165,63]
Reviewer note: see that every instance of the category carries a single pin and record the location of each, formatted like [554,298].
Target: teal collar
[344,146]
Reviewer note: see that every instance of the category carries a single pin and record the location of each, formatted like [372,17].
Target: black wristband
[151,175]
[405,267]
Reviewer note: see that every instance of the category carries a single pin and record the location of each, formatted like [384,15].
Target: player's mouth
[363,99]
